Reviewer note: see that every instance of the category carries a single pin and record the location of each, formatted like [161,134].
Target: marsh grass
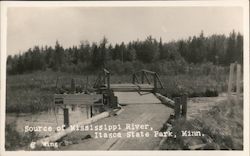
[222,127]
[31,93]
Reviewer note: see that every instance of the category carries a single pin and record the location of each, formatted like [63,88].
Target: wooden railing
[103,79]
[144,75]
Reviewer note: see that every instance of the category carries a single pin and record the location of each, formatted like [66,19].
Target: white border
[240,3]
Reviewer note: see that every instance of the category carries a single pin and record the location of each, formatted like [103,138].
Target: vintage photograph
[91,78]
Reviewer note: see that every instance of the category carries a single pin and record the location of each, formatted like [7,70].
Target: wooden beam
[108,80]
[158,78]
[142,77]
[146,77]
[184,106]
[177,108]
[66,117]
[165,100]
[106,71]
[148,71]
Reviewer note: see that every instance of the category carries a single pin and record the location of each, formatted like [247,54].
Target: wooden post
[87,111]
[177,108]
[108,79]
[103,77]
[66,117]
[238,87]
[184,106]
[115,101]
[91,111]
[230,81]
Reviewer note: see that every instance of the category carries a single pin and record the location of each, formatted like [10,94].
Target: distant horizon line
[125,42]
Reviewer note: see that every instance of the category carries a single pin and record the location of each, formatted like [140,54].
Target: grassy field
[222,127]
[30,93]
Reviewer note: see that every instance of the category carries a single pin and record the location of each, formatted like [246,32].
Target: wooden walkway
[153,115]
[128,87]
[125,98]
[142,107]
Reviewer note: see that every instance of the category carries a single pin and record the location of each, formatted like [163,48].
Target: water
[51,118]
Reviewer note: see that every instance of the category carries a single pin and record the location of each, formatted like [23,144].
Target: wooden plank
[126,85]
[130,87]
[116,143]
[148,71]
[77,95]
[165,100]
[121,141]
[136,98]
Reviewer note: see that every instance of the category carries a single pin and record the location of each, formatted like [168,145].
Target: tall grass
[30,93]
[222,127]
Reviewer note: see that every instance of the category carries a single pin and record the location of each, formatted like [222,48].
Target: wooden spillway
[130,87]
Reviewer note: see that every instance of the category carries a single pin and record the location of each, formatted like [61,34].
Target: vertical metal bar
[66,117]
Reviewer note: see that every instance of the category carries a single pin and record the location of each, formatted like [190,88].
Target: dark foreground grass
[31,93]
[15,140]
[222,127]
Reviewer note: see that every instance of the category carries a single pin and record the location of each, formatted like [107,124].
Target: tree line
[152,53]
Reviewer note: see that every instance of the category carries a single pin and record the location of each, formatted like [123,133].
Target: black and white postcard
[125,77]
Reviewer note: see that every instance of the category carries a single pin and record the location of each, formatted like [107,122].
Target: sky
[27,26]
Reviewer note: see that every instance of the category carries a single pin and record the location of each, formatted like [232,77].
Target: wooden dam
[141,91]
[138,101]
